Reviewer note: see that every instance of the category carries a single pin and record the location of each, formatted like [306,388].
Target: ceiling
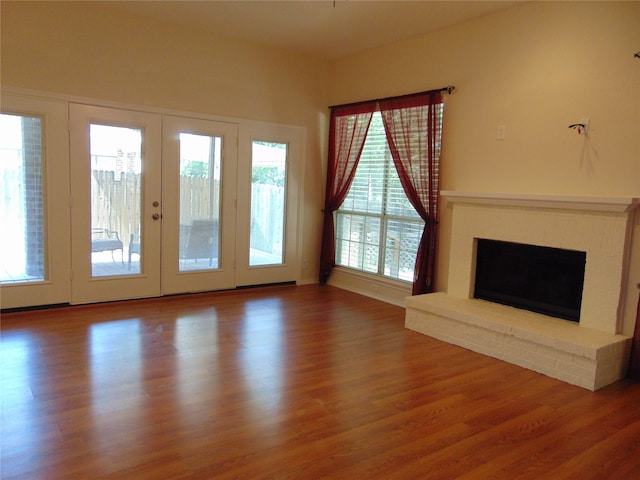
[324,28]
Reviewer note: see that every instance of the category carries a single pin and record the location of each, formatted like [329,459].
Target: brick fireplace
[590,353]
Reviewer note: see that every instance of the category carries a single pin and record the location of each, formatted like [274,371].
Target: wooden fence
[115,205]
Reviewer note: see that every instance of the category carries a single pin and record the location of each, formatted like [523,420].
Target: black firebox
[540,279]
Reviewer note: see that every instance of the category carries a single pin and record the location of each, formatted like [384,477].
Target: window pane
[200,160]
[21,209]
[116,164]
[366,191]
[357,239]
[401,247]
[268,183]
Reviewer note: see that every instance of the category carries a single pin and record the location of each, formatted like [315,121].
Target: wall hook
[578,126]
[582,126]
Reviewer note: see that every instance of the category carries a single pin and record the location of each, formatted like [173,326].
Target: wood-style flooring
[288,383]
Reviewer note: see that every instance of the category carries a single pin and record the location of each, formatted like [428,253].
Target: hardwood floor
[288,382]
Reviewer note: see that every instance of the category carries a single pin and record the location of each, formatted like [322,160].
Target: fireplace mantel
[568,202]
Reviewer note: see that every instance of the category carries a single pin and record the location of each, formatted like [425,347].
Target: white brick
[583,357]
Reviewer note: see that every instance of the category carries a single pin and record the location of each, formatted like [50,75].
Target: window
[268,195]
[377,228]
[22,253]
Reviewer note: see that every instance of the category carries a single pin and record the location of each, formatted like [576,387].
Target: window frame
[384,218]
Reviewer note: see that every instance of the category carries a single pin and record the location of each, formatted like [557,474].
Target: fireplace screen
[540,279]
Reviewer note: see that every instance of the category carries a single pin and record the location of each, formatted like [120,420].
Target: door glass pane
[116,165]
[200,158]
[268,183]
[22,257]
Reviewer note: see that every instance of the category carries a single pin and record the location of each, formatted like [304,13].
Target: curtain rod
[448,89]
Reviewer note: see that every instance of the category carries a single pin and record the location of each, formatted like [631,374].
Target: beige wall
[84,49]
[535,68]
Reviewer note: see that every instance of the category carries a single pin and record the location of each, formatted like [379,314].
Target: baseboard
[385,290]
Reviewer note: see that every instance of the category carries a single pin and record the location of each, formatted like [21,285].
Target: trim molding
[565,202]
[373,286]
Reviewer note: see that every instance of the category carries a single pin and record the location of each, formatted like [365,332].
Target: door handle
[155,216]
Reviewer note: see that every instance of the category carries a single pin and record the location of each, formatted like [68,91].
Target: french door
[116,210]
[164,204]
[199,215]
[230,213]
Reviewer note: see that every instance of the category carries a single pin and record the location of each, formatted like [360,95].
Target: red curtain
[347,132]
[413,125]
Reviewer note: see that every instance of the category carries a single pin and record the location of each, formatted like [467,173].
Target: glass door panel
[200,166]
[268,187]
[199,190]
[34,202]
[116,165]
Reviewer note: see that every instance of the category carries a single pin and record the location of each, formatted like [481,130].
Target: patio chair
[201,240]
[105,240]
